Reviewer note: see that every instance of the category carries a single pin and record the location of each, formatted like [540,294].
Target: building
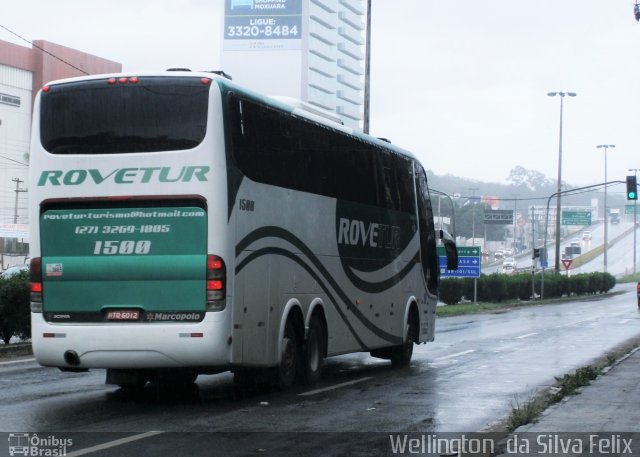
[23,71]
[310,50]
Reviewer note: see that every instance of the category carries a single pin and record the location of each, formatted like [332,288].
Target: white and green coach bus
[181,225]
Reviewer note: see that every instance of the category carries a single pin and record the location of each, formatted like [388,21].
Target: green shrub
[492,288]
[15,315]
[579,284]
[467,288]
[595,283]
[608,282]
[450,291]
[524,287]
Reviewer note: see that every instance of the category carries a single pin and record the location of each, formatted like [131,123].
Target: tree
[533,180]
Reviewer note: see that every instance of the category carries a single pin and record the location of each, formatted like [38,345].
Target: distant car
[509,265]
[499,254]
[12,271]
[509,261]
[575,242]
[586,235]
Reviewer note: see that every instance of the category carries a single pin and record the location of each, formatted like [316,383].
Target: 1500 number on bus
[115,229]
[113,247]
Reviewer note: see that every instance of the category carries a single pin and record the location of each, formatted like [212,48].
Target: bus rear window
[101,117]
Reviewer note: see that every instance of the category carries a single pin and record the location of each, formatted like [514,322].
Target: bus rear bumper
[132,346]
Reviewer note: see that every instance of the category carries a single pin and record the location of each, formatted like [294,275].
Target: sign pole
[475,290]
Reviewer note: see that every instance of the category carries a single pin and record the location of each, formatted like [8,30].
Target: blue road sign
[468,263]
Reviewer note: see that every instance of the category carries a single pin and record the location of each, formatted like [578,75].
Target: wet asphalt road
[478,368]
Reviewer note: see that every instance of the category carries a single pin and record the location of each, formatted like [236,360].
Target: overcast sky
[463,84]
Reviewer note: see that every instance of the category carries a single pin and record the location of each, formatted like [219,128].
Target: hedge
[15,314]
[498,287]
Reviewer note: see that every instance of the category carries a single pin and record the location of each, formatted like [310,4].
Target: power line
[13,160]
[43,50]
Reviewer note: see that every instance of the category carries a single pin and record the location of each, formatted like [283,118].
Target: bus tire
[401,354]
[287,370]
[314,351]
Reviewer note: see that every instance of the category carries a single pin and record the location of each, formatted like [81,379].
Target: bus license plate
[123,315]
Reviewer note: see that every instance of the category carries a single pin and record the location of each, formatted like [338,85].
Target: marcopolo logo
[146,175]
[28,444]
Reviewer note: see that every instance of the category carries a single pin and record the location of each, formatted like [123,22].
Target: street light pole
[606,219]
[559,200]
[473,215]
[635,222]
[515,217]
[367,72]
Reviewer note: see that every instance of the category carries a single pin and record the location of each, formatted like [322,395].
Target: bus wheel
[401,354]
[314,351]
[287,370]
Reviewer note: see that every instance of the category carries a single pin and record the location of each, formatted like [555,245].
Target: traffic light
[632,188]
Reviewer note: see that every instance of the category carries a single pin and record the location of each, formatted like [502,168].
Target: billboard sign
[499,217]
[255,25]
[20,231]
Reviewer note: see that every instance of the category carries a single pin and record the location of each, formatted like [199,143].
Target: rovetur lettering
[145,175]
[372,234]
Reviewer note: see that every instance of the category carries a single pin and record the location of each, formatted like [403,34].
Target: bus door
[428,253]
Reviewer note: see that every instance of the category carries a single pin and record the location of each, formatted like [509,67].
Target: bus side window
[428,251]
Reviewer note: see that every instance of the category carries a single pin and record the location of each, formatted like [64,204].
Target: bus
[183,225]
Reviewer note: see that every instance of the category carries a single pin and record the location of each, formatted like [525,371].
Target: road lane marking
[335,386]
[12,362]
[111,444]
[574,323]
[526,336]
[451,356]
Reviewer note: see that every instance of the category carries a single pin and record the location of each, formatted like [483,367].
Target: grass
[474,308]
[628,278]
[526,412]
[470,308]
[480,307]
[570,383]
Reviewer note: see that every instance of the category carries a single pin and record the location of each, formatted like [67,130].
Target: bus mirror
[452,254]
[451,250]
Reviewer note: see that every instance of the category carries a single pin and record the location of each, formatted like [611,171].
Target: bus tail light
[216,283]
[35,275]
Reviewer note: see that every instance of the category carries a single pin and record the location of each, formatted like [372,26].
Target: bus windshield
[128,115]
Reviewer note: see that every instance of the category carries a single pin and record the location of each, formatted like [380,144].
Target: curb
[15,350]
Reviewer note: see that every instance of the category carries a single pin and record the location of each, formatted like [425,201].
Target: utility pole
[367,72]
[515,218]
[533,258]
[18,181]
